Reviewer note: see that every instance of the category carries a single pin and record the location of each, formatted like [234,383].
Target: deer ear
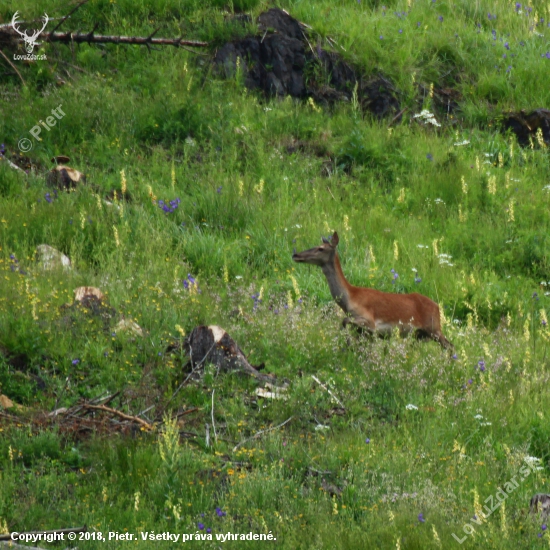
[335,240]
[325,240]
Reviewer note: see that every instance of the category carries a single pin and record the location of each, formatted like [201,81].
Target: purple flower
[400,31]
[470,381]
[421,517]
[543,527]
[208,530]
[381,37]
[367,441]
[219,190]
[417,279]
[191,279]
[506,45]
[455,356]
[48,198]
[418,23]
[219,512]
[518,6]
[429,156]
[75,361]
[200,526]
[440,18]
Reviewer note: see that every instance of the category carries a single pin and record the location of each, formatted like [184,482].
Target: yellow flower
[123,182]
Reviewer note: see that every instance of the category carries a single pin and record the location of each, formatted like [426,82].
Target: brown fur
[376,311]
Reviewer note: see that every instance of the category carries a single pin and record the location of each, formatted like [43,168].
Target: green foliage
[397,428]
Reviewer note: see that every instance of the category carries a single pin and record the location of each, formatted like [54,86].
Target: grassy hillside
[457,211]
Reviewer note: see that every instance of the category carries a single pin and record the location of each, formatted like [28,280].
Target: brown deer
[377,312]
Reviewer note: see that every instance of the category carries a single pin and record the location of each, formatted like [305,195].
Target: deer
[30,41]
[372,310]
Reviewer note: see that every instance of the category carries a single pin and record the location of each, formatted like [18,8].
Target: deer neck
[339,287]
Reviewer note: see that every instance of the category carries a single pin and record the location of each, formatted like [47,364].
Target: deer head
[30,41]
[319,255]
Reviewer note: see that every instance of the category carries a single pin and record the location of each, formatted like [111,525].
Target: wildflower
[219,512]
[440,18]
[200,525]
[367,441]
[400,31]
[430,157]
[75,361]
[123,182]
[421,517]
[381,37]
[417,279]
[219,190]
[470,381]
[411,407]
[117,240]
[506,45]
[260,187]
[544,527]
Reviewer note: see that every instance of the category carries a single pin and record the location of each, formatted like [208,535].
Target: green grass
[471,221]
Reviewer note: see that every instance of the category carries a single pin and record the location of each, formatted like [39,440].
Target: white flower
[411,407]
[414,270]
[460,143]
[531,459]
[478,417]
[427,117]
[238,276]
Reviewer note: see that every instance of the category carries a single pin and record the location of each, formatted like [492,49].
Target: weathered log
[212,344]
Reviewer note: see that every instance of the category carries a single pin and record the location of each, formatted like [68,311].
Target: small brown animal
[377,312]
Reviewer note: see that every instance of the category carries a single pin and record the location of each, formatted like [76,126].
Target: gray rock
[50,258]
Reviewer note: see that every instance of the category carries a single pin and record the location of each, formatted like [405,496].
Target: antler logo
[30,41]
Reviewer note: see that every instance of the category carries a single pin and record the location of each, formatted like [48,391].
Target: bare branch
[68,37]
[13,67]
[120,414]
[63,19]
[255,436]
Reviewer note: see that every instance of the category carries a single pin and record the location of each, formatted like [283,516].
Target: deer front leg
[363,325]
